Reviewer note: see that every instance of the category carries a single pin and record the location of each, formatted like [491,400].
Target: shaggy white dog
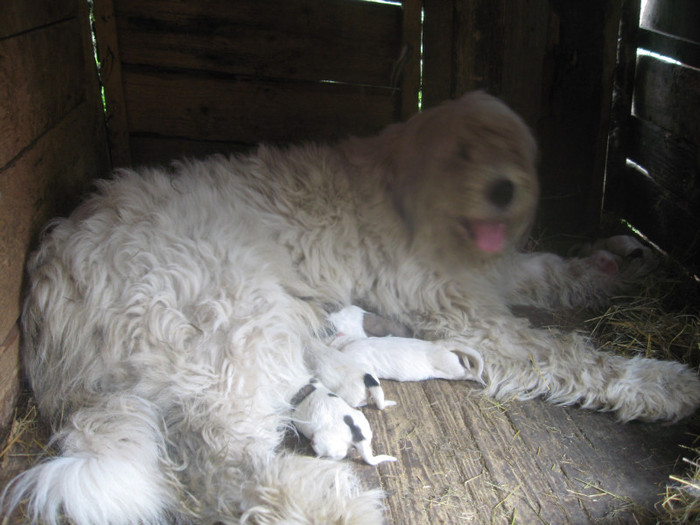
[173,317]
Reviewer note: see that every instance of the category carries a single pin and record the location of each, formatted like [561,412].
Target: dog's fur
[171,319]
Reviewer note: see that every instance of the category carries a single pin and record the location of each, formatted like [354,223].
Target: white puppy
[401,358]
[332,425]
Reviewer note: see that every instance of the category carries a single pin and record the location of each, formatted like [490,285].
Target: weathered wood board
[465,459]
[53,143]
[183,106]
[293,40]
[185,76]
[659,194]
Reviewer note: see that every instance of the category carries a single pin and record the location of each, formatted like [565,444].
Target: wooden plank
[670,46]
[313,40]
[680,18]
[213,109]
[673,163]
[34,97]
[20,16]
[9,377]
[490,428]
[667,95]
[463,458]
[111,75]
[46,179]
[666,220]
[527,32]
[572,127]
[153,150]
[408,67]
[479,50]
[428,483]
[500,46]
[621,106]
[438,51]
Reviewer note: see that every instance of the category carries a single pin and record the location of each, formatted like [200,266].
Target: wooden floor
[464,459]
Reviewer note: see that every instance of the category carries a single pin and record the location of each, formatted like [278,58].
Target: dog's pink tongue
[489,236]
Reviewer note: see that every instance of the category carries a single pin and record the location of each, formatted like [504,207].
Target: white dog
[170,321]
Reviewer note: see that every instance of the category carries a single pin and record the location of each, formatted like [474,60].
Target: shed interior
[610,89]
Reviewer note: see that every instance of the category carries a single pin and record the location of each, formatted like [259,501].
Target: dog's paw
[623,255]
[365,391]
[652,390]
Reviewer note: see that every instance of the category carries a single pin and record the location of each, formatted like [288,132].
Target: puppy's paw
[358,392]
[350,380]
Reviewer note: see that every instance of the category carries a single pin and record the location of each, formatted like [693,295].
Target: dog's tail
[300,489]
[110,471]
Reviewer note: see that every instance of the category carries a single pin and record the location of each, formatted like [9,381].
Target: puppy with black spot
[332,426]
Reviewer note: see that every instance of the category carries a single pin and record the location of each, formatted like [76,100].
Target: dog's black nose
[501,193]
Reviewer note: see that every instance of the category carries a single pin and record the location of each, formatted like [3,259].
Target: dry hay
[660,321]
[681,503]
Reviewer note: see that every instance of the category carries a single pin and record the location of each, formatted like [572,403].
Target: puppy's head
[462,177]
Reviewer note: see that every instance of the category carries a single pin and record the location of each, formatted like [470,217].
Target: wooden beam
[111,75]
[438,52]
[35,98]
[198,107]
[409,66]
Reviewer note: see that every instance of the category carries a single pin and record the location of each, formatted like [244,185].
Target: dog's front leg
[521,362]
[600,270]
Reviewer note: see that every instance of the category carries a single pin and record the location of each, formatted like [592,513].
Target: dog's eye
[464,152]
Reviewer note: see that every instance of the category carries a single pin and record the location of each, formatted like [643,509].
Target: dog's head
[462,177]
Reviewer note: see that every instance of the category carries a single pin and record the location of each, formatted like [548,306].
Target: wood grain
[667,95]
[23,16]
[111,78]
[9,377]
[307,40]
[38,84]
[464,458]
[47,179]
[212,109]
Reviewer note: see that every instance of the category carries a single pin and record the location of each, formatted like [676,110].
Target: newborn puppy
[332,426]
[401,358]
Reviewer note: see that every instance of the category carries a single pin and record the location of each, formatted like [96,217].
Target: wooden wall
[187,77]
[190,78]
[53,141]
[658,192]
[550,60]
